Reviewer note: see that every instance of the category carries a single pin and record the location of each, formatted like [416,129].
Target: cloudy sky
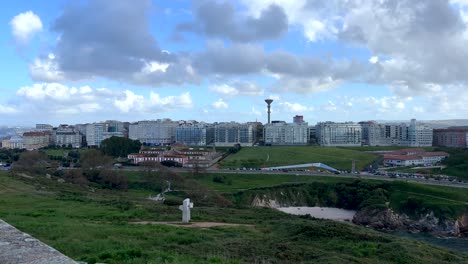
[209,60]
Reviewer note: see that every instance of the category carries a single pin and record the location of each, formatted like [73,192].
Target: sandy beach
[321,212]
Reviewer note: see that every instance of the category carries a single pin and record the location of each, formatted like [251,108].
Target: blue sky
[85,61]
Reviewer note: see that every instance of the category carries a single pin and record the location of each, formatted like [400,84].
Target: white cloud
[220,104]
[374,59]
[237,88]
[24,26]
[58,98]
[154,66]
[295,108]
[170,102]
[130,101]
[7,109]
[46,69]
[224,89]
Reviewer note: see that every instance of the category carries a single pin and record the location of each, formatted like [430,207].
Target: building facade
[37,139]
[14,142]
[155,132]
[67,135]
[232,133]
[282,133]
[451,137]
[97,132]
[193,134]
[413,157]
[338,134]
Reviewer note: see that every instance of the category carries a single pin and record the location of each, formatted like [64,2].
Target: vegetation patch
[257,157]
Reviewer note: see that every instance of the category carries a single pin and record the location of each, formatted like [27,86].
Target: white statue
[185,208]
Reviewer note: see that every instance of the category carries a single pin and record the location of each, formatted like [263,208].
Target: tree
[119,146]
[34,162]
[93,159]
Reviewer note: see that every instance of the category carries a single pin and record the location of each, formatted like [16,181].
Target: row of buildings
[193,133]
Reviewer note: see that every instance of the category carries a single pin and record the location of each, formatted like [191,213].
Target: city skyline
[217,61]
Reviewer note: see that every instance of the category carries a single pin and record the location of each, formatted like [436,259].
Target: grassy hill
[94,225]
[256,157]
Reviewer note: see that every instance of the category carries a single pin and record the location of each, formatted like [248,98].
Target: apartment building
[338,134]
[232,133]
[454,137]
[154,132]
[97,132]
[195,134]
[14,142]
[413,134]
[282,133]
[67,135]
[37,139]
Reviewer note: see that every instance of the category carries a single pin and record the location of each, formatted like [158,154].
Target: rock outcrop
[381,219]
[386,219]
[462,226]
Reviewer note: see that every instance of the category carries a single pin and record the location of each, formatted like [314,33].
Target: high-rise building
[155,132]
[232,133]
[419,135]
[194,134]
[338,134]
[403,134]
[455,137]
[282,133]
[97,132]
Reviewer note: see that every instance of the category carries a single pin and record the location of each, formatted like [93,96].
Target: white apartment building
[97,132]
[332,134]
[67,135]
[282,133]
[414,135]
[154,132]
[232,133]
[419,135]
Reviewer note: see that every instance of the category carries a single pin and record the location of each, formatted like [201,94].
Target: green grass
[93,226]
[239,181]
[339,158]
[375,148]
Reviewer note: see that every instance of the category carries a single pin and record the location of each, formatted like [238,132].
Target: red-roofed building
[413,156]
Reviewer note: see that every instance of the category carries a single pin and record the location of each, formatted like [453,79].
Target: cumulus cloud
[59,98]
[295,73]
[414,42]
[171,102]
[295,108]
[112,41]
[220,19]
[220,104]
[24,26]
[237,88]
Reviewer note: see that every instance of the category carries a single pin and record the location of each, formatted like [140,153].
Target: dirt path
[191,224]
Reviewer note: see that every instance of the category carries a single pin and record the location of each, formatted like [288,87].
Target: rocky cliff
[386,219]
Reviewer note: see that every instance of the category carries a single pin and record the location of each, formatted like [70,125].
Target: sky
[214,61]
